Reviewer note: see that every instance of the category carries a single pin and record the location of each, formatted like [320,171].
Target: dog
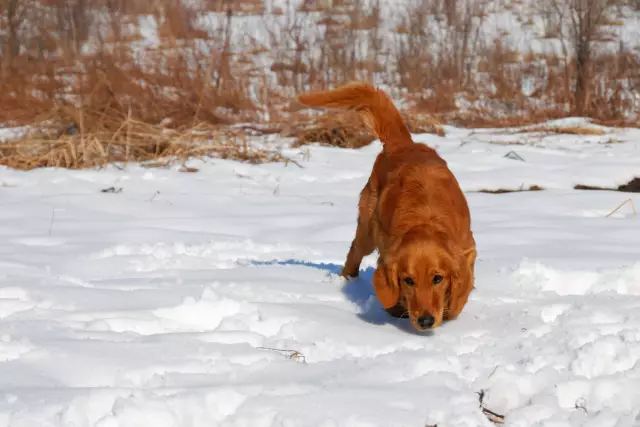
[412,211]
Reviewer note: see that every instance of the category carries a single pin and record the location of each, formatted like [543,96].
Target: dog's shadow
[359,291]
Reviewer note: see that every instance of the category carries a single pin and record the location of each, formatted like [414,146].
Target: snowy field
[212,298]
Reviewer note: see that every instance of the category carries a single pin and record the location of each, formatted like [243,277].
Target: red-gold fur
[413,211]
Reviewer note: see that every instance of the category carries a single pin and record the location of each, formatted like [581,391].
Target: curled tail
[373,105]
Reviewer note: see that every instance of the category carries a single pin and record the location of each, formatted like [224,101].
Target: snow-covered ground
[212,299]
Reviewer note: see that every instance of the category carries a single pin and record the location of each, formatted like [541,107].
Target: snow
[7,134]
[212,298]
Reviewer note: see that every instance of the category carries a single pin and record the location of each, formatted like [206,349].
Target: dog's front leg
[361,246]
[363,243]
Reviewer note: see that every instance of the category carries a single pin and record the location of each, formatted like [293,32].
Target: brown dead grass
[423,123]
[130,141]
[347,130]
[632,186]
[504,190]
[564,130]
[344,130]
[487,119]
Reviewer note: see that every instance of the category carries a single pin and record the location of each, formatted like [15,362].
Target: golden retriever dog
[412,211]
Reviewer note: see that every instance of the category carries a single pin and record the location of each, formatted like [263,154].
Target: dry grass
[129,141]
[629,202]
[564,130]
[344,130]
[347,130]
[424,123]
[504,190]
[483,119]
[632,186]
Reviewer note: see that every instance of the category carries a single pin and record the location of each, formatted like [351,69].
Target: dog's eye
[409,281]
[437,279]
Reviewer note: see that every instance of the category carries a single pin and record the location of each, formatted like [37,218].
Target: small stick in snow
[289,159]
[291,354]
[154,196]
[185,168]
[298,357]
[492,416]
[111,190]
[53,217]
[490,375]
[621,205]
[514,156]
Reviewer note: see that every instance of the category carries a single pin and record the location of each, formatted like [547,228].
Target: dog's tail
[373,105]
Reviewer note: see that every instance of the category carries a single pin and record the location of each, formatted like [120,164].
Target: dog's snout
[426,321]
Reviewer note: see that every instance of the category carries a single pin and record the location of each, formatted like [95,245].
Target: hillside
[464,61]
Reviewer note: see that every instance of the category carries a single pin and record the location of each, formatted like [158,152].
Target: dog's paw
[349,274]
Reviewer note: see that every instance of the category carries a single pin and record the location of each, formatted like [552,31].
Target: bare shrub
[436,57]
[585,21]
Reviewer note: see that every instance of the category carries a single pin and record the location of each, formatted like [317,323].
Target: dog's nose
[426,321]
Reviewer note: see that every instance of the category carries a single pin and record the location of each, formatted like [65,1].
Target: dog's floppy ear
[385,284]
[462,280]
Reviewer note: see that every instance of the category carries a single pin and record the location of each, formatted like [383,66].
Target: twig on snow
[290,354]
[514,156]
[288,160]
[581,404]
[621,205]
[111,190]
[491,416]
[490,375]
[53,218]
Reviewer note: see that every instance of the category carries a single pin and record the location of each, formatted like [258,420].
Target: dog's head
[431,277]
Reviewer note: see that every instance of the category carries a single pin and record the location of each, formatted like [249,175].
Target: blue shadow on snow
[359,291]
